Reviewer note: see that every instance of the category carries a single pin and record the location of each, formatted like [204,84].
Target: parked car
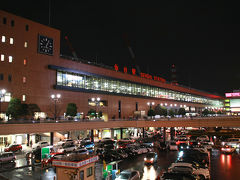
[106,139]
[122,153]
[178,176]
[122,145]
[206,145]
[203,173]
[65,141]
[111,155]
[13,148]
[7,157]
[40,144]
[81,151]
[67,148]
[128,175]
[89,146]
[227,149]
[151,158]
[203,138]
[182,140]
[127,140]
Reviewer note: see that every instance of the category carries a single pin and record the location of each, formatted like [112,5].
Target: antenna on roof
[49,12]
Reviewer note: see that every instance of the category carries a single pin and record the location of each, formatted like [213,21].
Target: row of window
[11,41]
[130,88]
[12,22]
[24,79]
[7,97]
[10,58]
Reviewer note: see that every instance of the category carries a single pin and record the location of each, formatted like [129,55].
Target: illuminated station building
[232,103]
[32,69]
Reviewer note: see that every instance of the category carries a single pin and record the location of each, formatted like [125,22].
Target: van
[7,157]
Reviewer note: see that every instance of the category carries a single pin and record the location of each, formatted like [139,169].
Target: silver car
[128,175]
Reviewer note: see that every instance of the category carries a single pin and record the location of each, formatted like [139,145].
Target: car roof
[182,164]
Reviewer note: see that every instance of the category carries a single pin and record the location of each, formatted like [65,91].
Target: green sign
[45,152]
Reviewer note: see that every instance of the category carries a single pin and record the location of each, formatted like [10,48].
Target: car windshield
[150,155]
[124,176]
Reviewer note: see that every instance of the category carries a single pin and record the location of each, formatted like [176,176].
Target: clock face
[45,45]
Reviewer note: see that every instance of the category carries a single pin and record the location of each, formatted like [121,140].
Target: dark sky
[201,38]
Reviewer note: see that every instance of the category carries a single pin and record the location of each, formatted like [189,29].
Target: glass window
[11,40]
[9,78]
[26,27]
[23,97]
[12,23]
[4,20]
[10,59]
[25,44]
[2,57]
[89,171]
[3,39]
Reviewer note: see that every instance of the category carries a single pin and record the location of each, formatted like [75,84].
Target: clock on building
[45,45]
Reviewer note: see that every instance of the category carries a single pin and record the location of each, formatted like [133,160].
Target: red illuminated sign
[133,71]
[125,69]
[116,67]
[237,94]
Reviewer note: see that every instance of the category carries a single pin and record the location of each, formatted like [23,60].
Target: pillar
[92,135]
[143,132]
[112,133]
[164,134]
[172,133]
[28,139]
[51,138]
[121,133]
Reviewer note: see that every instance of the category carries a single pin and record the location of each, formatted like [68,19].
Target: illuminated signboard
[143,75]
[236,94]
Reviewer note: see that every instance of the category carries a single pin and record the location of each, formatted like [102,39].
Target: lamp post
[150,104]
[96,101]
[2,94]
[55,97]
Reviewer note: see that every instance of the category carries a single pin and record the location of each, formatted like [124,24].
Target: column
[51,138]
[121,133]
[28,139]
[92,135]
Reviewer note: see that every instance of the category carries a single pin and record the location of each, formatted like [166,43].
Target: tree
[151,112]
[160,110]
[181,111]
[15,108]
[171,113]
[71,109]
[205,112]
[32,108]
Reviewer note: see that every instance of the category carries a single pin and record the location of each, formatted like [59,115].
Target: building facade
[32,69]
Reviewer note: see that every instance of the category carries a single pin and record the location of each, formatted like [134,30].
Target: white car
[189,168]
[203,138]
[65,141]
[67,148]
[206,145]
[106,139]
[128,175]
[40,144]
[234,142]
[81,151]
[172,146]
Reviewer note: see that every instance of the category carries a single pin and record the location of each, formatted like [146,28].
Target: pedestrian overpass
[27,127]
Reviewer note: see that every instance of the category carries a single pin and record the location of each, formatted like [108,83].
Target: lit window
[23,97]
[3,39]
[25,44]
[24,79]
[2,57]
[10,59]
[11,40]
[25,62]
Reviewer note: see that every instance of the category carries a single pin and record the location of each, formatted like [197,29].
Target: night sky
[201,38]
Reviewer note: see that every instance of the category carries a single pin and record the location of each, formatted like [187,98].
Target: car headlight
[145,159]
[151,159]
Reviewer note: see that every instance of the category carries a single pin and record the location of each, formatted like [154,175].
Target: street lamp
[2,94]
[150,104]
[96,101]
[55,98]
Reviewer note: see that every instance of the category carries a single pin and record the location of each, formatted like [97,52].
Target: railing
[27,121]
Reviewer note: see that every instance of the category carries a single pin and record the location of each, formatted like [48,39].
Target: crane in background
[70,47]
[133,57]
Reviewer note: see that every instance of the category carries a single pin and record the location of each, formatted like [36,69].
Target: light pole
[55,98]
[2,94]
[96,101]
[150,104]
